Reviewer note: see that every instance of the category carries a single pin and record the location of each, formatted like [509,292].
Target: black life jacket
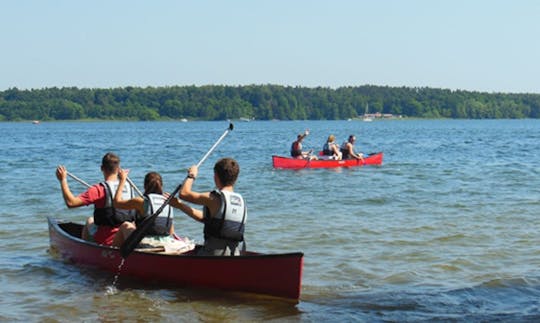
[108,215]
[296,149]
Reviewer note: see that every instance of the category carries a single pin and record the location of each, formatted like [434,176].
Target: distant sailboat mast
[366,116]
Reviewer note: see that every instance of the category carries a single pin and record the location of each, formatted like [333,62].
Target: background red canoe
[293,163]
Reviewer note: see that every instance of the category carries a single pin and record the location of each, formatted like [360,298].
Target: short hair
[227,170]
[153,183]
[110,162]
[352,137]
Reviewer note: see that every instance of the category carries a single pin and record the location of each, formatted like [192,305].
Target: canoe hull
[292,163]
[271,274]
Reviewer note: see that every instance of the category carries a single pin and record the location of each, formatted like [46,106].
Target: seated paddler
[224,212]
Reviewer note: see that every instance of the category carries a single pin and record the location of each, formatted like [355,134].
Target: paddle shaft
[134,186]
[215,145]
[78,179]
[136,236]
[88,185]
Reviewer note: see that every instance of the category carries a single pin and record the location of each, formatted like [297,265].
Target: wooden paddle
[136,236]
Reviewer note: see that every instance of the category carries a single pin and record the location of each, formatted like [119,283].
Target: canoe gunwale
[67,235]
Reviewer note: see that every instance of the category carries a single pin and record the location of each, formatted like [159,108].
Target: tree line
[261,102]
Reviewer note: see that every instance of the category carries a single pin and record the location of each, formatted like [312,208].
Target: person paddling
[104,224]
[296,148]
[224,212]
[347,149]
[161,233]
[331,149]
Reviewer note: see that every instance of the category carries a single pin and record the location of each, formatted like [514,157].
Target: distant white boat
[35,121]
[366,117]
[245,119]
[183,120]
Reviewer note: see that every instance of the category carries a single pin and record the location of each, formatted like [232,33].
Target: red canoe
[293,163]
[270,274]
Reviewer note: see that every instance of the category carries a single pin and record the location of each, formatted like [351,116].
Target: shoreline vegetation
[260,102]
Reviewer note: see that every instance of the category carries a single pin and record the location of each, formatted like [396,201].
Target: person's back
[224,230]
[106,213]
[161,233]
[163,223]
[224,214]
[104,229]
[327,147]
[331,149]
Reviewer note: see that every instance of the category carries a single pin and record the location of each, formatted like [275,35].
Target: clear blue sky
[477,45]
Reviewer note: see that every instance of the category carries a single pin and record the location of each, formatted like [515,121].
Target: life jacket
[163,222]
[108,215]
[229,222]
[327,150]
[344,150]
[296,149]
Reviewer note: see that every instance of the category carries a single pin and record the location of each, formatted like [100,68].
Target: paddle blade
[136,236]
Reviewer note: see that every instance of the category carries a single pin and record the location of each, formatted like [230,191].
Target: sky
[473,45]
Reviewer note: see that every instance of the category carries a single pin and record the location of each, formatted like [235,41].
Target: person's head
[331,138]
[110,163]
[153,183]
[352,139]
[227,170]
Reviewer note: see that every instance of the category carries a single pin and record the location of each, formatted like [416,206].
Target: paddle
[134,186]
[88,185]
[136,236]
[78,179]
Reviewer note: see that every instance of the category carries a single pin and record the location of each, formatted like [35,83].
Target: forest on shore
[260,102]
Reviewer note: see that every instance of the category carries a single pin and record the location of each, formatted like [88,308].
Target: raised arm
[191,212]
[187,194]
[305,134]
[71,200]
[135,203]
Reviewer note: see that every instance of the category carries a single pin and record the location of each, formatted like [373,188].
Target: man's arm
[352,153]
[71,200]
[191,212]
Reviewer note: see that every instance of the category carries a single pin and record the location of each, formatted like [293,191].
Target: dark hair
[110,162]
[351,137]
[153,183]
[227,170]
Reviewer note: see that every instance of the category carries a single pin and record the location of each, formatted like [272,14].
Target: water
[446,229]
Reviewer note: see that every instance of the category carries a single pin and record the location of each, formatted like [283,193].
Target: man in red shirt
[96,195]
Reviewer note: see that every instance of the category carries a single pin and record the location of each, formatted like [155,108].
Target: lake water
[446,229]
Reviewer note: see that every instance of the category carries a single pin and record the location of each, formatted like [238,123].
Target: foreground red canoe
[270,274]
[293,163]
